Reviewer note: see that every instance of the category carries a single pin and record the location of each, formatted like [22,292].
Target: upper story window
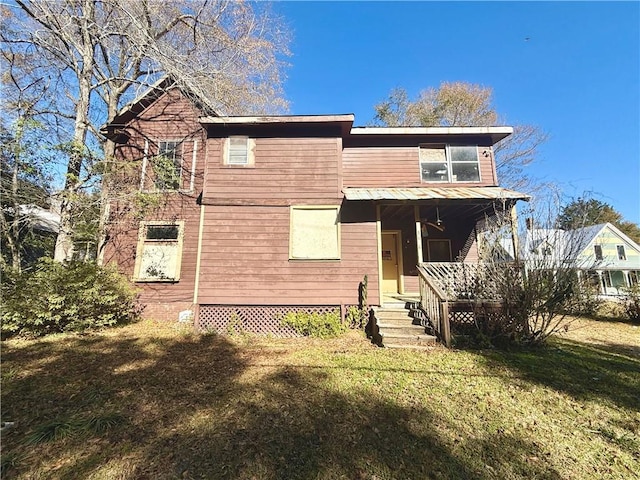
[597,250]
[449,163]
[621,253]
[167,165]
[238,151]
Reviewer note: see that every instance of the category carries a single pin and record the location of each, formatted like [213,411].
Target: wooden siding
[171,117]
[609,241]
[245,259]
[399,166]
[286,171]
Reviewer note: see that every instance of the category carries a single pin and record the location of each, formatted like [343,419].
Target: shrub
[321,325]
[55,297]
[632,303]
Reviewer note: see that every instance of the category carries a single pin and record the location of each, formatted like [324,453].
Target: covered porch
[428,241]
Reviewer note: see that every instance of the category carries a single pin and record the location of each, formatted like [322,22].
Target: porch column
[627,280]
[379,235]
[416,216]
[514,232]
[602,286]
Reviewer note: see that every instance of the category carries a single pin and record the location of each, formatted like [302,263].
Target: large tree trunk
[64,242]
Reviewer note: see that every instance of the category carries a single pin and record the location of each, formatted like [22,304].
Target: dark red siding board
[253,267]
[371,167]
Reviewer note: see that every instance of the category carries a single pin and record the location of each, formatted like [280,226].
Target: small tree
[541,291]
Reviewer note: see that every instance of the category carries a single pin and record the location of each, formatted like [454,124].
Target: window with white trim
[621,253]
[314,233]
[449,163]
[597,251]
[238,151]
[159,252]
[167,165]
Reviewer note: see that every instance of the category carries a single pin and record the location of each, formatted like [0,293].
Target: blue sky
[577,77]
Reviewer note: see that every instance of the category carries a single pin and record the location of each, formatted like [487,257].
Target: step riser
[394,316]
[397,329]
[423,343]
[393,330]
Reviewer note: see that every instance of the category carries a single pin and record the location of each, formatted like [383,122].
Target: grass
[155,401]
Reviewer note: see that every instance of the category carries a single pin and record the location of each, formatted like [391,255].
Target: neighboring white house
[39,219]
[600,252]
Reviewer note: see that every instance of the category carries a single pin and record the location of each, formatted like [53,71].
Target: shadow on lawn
[194,407]
[608,372]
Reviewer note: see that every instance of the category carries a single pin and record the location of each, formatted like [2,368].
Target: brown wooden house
[240,219]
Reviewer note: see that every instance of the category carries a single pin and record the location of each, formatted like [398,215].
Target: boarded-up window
[314,233]
[159,252]
[433,163]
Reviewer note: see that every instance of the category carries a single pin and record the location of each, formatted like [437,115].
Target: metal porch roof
[433,193]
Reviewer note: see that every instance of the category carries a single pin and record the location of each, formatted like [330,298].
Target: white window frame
[250,152]
[295,233]
[147,163]
[448,162]
[144,242]
[622,254]
[598,255]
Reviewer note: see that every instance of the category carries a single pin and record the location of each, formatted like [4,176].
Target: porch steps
[398,329]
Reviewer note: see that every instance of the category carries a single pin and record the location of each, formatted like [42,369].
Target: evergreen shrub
[73,297]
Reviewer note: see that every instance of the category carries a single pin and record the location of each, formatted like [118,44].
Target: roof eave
[495,133]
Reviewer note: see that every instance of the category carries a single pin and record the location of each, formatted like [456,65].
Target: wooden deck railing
[433,302]
[455,289]
[460,281]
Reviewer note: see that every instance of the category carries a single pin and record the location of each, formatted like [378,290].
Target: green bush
[55,297]
[321,325]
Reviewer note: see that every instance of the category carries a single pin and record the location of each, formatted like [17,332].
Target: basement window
[159,252]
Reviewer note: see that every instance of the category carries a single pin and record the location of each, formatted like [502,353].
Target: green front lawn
[154,401]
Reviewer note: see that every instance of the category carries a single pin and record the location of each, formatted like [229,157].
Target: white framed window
[238,151]
[167,165]
[159,252]
[449,163]
[597,251]
[621,253]
[314,233]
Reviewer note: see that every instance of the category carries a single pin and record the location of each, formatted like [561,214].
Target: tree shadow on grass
[585,371]
[195,407]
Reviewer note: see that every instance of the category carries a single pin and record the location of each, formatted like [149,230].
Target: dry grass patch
[156,401]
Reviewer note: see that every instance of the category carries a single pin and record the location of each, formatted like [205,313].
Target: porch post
[379,235]
[601,285]
[416,216]
[514,232]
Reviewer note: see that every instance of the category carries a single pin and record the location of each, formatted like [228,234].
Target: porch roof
[434,193]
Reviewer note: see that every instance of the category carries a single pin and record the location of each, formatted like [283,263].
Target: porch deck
[447,296]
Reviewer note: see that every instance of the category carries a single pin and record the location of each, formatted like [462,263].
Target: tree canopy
[96,55]
[462,104]
[583,212]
